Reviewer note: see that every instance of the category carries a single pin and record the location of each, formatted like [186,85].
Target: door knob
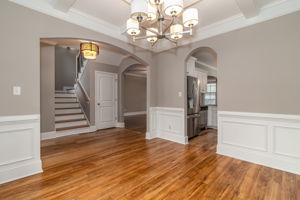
[98,104]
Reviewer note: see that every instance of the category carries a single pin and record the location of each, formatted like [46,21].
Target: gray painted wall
[24,31]
[135,94]
[47,88]
[65,67]
[258,68]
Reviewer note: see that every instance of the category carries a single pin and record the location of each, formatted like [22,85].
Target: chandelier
[161,19]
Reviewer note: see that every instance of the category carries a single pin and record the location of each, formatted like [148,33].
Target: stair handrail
[86,96]
[80,64]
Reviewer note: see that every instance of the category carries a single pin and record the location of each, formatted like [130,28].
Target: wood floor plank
[120,164]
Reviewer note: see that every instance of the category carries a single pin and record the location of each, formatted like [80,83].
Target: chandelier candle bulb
[156,2]
[139,10]
[190,17]
[149,34]
[133,27]
[173,7]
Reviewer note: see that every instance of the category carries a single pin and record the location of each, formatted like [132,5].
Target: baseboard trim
[57,134]
[28,169]
[259,158]
[135,113]
[120,125]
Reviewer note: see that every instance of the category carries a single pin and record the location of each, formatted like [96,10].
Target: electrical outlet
[16,90]
[180,94]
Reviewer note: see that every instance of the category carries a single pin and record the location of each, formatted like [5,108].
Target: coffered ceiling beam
[248,8]
[63,5]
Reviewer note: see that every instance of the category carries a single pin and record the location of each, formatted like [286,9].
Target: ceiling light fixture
[89,50]
[161,19]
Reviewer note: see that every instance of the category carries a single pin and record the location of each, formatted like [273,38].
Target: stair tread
[67,108]
[70,120]
[72,127]
[66,114]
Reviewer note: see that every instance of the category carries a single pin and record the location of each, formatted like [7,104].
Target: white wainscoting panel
[167,123]
[267,139]
[19,147]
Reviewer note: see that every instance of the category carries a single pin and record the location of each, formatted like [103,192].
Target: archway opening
[112,61]
[201,95]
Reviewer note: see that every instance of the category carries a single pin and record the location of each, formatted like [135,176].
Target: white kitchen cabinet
[202,76]
[191,67]
[212,121]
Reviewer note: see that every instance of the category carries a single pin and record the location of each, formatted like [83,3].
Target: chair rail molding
[271,140]
[167,123]
[19,147]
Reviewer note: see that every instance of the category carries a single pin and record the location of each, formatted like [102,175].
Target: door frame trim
[115,95]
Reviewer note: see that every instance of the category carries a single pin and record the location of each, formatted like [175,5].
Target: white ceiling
[216,16]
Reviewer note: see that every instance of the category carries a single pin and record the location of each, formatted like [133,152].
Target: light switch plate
[180,94]
[16,90]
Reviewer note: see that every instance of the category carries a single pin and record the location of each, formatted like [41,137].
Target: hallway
[121,164]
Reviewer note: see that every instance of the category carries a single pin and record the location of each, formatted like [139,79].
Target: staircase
[69,116]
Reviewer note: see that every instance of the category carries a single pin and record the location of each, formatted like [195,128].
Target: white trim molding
[57,134]
[268,139]
[19,147]
[120,125]
[167,123]
[127,114]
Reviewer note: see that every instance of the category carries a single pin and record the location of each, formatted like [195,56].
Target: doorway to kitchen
[201,95]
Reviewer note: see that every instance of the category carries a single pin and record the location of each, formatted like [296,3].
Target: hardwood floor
[120,164]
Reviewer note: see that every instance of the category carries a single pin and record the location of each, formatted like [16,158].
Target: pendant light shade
[89,50]
[176,31]
[151,12]
[190,17]
[149,33]
[173,7]
[156,2]
[139,9]
[133,27]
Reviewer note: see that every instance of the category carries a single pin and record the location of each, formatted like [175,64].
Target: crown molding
[232,23]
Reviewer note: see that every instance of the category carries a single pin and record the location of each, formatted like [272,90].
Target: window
[211,94]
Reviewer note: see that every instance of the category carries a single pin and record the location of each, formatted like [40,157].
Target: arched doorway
[116,57]
[201,92]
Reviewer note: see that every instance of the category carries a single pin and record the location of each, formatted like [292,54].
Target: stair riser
[69,124]
[67,111]
[64,95]
[67,105]
[69,117]
[65,100]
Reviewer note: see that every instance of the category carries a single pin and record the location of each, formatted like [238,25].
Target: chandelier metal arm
[142,37]
[152,31]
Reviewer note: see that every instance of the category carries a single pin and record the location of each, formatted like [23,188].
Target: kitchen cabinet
[212,121]
[191,67]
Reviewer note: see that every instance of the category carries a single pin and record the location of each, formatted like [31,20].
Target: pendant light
[176,31]
[154,36]
[190,17]
[133,27]
[89,50]
[139,9]
[173,7]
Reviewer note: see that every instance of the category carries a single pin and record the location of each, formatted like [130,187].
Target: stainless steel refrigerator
[193,105]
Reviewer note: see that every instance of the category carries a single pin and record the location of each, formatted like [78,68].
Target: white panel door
[106,100]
